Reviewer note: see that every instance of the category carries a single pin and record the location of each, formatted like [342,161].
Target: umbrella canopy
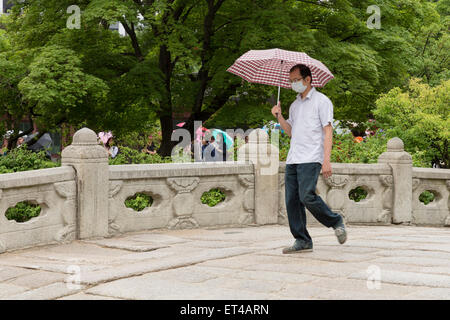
[228,140]
[200,133]
[272,67]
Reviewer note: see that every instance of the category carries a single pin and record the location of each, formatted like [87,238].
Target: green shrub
[139,202]
[357,194]
[346,150]
[23,211]
[213,197]
[132,156]
[21,159]
[420,116]
[426,197]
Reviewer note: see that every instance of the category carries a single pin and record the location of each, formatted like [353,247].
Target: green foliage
[128,155]
[132,139]
[284,146]
[346,149]
[420,116]
[238,142]
[176,57]
[21,159]
[57,87]
[245,114]
[139,202]
[432,45]
[357,194]
[213,197]
[23,211]
[426,197]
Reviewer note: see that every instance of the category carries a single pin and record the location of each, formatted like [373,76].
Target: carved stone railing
[176,191]
[54,190]
[373,178]
[86,197]
[393,188]
[437,181]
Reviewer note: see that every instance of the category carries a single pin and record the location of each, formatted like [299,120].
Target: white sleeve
[326,113]
[290,120]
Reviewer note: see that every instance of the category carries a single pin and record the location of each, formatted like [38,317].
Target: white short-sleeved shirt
[307,119]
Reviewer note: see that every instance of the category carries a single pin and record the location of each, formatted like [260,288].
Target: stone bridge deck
[238,263]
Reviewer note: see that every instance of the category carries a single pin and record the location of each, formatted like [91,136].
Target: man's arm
[327,144]
[328,141]
[283,123]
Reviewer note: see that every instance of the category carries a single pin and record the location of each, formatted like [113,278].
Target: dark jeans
[300,187]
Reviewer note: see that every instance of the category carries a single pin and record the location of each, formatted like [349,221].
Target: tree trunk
[165,150]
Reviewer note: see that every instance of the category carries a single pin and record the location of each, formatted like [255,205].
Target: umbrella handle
[278,99]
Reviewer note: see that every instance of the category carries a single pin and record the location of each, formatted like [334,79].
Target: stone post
[401,164]
[264,157]
[90,161]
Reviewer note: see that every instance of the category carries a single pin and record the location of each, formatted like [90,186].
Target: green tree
[432,45]
[420,116]
[58,91]
[174,57]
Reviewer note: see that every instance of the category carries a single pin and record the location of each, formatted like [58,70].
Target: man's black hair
[304,70]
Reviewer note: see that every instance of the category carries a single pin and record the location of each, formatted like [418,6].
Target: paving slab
[49,292]
[84,296]
[236,263]
[7,273]
[422,261]
[408,278]
[430,294]
[38,279]
[6,290]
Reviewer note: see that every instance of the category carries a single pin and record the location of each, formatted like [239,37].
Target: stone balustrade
[55,191]
[85,197]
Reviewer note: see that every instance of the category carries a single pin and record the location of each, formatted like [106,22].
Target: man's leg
[307,174]
[295,209]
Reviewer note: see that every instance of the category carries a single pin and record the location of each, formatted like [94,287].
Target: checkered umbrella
[272,67]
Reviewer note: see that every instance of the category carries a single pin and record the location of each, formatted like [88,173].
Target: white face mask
[298,86]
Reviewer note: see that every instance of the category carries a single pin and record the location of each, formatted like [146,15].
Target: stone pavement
[376,262]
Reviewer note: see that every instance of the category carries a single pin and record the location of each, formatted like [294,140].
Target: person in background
[218,154]
[20,141]
[208,151]
[111,148]
[150,148]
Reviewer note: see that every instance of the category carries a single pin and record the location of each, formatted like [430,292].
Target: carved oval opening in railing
[213,197]
[139,201]
[357,194]
[23,211]
[427,196]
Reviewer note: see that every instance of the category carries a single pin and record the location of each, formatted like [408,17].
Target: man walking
[310,127]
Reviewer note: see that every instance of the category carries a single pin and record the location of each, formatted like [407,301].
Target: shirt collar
[308,96]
